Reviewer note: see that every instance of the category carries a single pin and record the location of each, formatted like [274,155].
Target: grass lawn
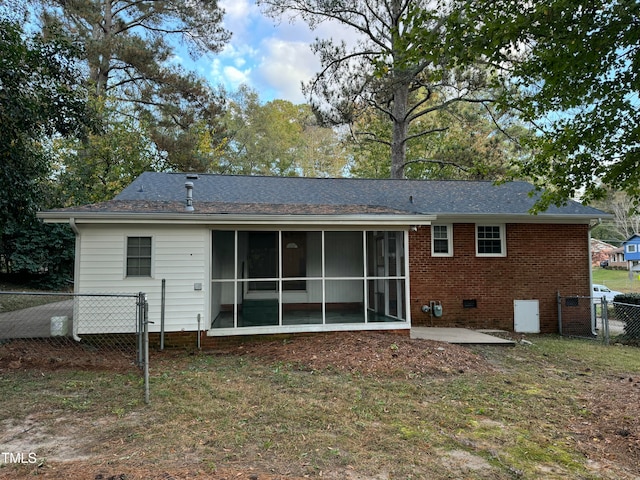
[617,280]
[559,408]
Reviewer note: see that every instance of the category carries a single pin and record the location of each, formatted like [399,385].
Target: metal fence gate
[77,330]
[577,316]
[598,319]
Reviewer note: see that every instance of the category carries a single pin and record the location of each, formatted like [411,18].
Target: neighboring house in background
[264,255]
[631,248]
[601,252]
[617,258]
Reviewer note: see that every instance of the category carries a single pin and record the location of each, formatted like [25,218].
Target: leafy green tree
[40,97]
[469,146]
[399,66]
[100,165]
[128,53]
[278,138]
[573,72]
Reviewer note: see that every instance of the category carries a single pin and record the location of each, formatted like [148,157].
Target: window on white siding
[138,256]
[442,240]
[490,241]
[632,248]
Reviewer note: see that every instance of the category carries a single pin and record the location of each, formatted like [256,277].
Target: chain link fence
[578,317]
[71,330]
[624,321]
[599,319]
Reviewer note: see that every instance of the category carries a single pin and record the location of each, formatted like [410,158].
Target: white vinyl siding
[179,255]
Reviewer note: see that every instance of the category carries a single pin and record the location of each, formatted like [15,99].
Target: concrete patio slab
[459,336]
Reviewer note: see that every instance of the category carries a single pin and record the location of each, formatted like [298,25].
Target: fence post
[146,351]
[162,305]
[140,328]
[559,300]
[605,320]
[198,339]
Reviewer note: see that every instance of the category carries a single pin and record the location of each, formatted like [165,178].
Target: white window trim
[125,258]
[449,228]
[632,248]
[503,240]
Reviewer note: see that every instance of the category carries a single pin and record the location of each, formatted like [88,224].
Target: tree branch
[442,163]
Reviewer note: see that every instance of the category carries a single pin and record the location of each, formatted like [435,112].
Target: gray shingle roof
[253,194]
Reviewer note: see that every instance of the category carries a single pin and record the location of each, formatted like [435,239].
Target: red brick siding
[541,260]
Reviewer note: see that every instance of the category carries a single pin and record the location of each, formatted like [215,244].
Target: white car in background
[599,291]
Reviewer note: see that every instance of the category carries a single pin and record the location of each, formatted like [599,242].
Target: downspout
[76,268]
[594,321]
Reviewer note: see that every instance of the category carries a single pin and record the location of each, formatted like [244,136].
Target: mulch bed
[368,353]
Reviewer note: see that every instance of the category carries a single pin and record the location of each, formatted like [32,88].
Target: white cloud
[239,18]
[271,57]
[283,66]
[235,77]
[235,8]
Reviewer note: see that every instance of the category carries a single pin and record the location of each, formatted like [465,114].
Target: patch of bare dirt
[50,354]
[367,353]
[610,435]
[106,470]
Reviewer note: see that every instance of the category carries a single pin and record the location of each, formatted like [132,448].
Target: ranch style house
[253,255]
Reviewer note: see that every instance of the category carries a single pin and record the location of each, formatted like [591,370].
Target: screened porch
[287,280]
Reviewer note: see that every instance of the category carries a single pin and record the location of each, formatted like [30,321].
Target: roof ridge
[368,179]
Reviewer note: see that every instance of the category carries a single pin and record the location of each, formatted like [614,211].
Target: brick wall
[541,260]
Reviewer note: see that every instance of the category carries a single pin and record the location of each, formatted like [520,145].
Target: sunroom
[295,280]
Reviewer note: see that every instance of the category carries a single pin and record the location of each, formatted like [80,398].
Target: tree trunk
[400,130]
[400,95]
[100,61]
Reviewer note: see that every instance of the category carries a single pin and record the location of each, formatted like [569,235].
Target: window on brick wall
[442,240]
[490,241]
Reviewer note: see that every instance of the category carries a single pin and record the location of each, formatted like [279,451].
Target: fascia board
[227,219]
[520,218]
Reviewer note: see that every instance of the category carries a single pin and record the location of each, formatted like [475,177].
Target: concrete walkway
[34,322]
[459,336]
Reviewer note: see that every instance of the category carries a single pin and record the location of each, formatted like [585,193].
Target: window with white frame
[138,256]
[442,240]
[490,241]
[632,248]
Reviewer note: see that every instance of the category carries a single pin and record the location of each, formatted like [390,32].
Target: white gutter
[76,268]
[594,320]
[233,219]
[72,224]
[517,218]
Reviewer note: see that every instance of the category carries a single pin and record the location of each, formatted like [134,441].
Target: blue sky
[272,58]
